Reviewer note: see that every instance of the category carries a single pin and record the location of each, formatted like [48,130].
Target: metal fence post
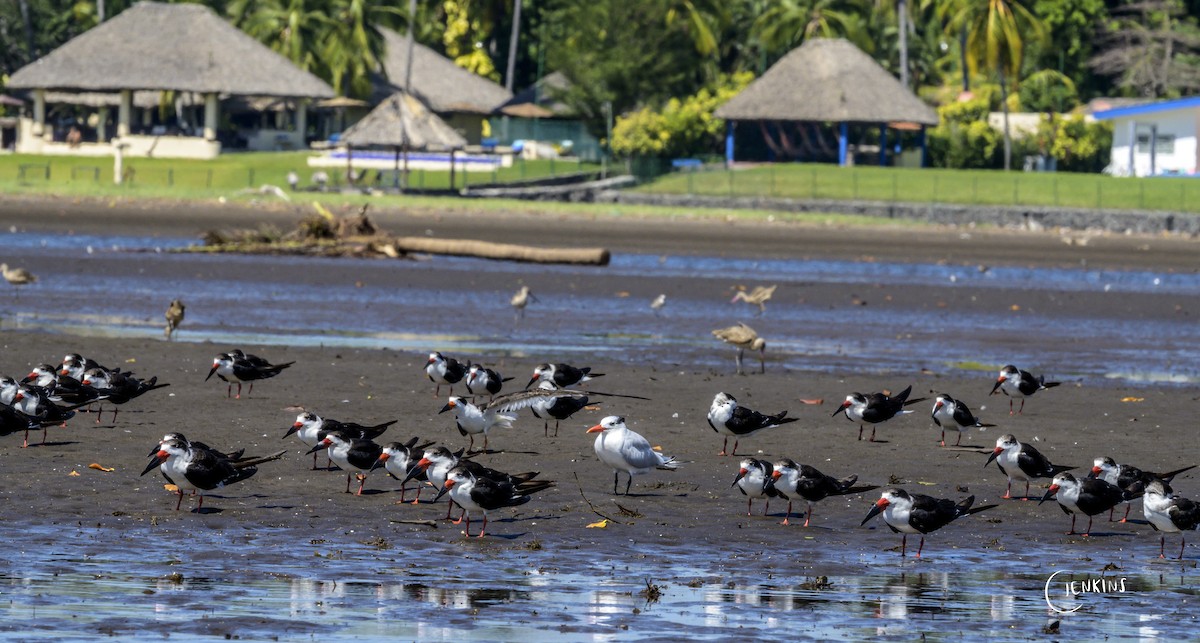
[854,182]
[933,192]
[1142,194]
[813,182]
[1016,192]
[250,181]
[1056,191]
[895,194]
[170,177]
[208,179]
[1099,192]
[730,173]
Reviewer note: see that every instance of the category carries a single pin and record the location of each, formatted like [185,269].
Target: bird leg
[616,476]
[1008,492]
[749,506]
[1010,411]
[251,391]
[200,504]
[762,361]
[787,516]
[1089,529]
[628,483]
[461,516]
[958,442]
[1126,518]
[449,508]
[417,500]
[467,531]
[179,502]
[872,433]
[229,390]
[735,443]
[25,443]
[546,428]
[362,481]
[808,515]
[1182,542]
[314,461]
[347,482]
[1162,545]
[739,362]
[921,546]
[556,428]
[1072,532]
[943,442]
[724,445]
[860,430]
[483,528]
[1026,498]
[903,545]
[239,393]
[1022,410]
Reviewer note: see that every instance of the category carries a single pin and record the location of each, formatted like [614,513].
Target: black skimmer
[624,450]
[548,401]
[481,495]
[482,380]
[234,456]
[75,365]
[1021,462]
[353,455]
[174,316]
[200,470]
[118,388]
[908,514]
[790,480]
[12,420]
[444,370]
[1167,512]
[759,296]
[520,300]
[437,463]
[875,408]
[35,402]
[311,429]
[474,420]
[563,375]
[237,366]
[949,413]
[1130,478]
[1014,382]
[744,337]
[399,460]
[61,388]
[729,419]
[1088,496]
[754,481]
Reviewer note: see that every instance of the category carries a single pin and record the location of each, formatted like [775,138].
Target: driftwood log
[502,251]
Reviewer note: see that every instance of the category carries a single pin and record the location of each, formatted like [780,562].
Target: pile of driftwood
[328,235]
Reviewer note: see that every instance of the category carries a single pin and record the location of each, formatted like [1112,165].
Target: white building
[1155,138]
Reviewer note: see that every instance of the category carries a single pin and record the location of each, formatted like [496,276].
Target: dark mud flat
[286,554]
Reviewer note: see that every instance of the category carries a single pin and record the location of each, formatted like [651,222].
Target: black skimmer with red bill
[1130,478]
[875,408]
[353,455]
[197,469]
[481,380]
[949,413]
[1021,462]
[237,366]
[915,513]
[61,388]
[754,481]
[117,388]
[75,365]
[311,429]
[625,450]
[12,421]
[233,456]
[563,375]
[475,420]
[1016,383]
[1087,496]
[399,459]
[1169,513]
[35,402]
[437,463]
[444,370]
[790,480]
[726,417]
[481,495]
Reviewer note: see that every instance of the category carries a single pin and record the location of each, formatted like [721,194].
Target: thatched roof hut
[436,80]
[828,80]
[541,99]
[403,121]
[183,47]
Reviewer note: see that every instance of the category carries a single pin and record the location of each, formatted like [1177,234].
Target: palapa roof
[827,80]
[400,119]
[436,80]
[541,99]
[154,46]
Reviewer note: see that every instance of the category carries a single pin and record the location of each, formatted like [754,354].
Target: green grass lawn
[982,187]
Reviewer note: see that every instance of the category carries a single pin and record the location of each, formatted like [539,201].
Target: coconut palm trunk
[902,9]
[1004,108]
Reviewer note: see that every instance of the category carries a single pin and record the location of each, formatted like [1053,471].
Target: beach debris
[74,473]
[601,524]
[1133,399]
[100,467]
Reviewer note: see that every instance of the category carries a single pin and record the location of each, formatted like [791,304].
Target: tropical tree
[1152,49]
[788,23]
[997,34]
[354,45]
[293,28]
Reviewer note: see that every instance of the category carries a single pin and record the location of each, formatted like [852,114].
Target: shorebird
[743,337]
[436,464]
[238,366]
[919,514]
[1021,462]
[548,401]
[726,417]
[563,375]
[875,408]
[482,380]
[520,301]
[200,469]
[17,276]
[355,456]
[174,316]
[1167,512]
[311,429]
[1089,496]
[657,304]
[117,388]
[12,420]
[625,450]
[444,370]
[473,420]
[790,479]
[399,460]
[949,413]
[758,297]
[1130,478]
[481,495]
[1016,383]
[754,481]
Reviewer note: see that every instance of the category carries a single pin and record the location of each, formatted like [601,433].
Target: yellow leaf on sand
[622,293]
[927,484]
[74,473]
[1133,399]
[170,487]
[1014,307]
[100,467]
[657,447]
[817,400]
[598,525]
[131,360]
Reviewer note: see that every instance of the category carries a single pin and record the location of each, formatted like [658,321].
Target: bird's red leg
[921,546]
[903,544]
[362,481]
[449,507]
[1089,529]
[1022,410]
[1182,542]
[787,515]
[417,500]
[347,482]
[943,441]
[1008,491]
[872,434]
[25,442]
[467,531]
[1072,532]
[749,506]
[735,443]
[460,518]
[251,391]
[958,442]
[229,390]
[484,527]
[1162,546]
[808,515]
[180,501]
[724,445]
[860,430]
[200,504]
[1126,518]
[1026,491]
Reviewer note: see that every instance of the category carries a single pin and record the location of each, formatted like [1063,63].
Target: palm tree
[354,44]
[789,22]
[294,28]
[996,37]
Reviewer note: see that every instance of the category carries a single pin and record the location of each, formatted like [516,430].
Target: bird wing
[636,451]
[929,513]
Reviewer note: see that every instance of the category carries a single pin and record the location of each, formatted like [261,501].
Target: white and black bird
[625,450]
[915,513]
[355,456]
[437,463]
[484,381]
[480,495]
[191,467]
[949,413]
[549,402]
[1016,383]
[444,370]
[1169,513]
[875,408]
[744,338]
[562,375]
[473,420]
[791,480]
[728,418]
[754,481]
[399,459]
[117,388]
[1130,478]
[1021,462]
[1088,496]
[237,366]
[12,421]
[311,429]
